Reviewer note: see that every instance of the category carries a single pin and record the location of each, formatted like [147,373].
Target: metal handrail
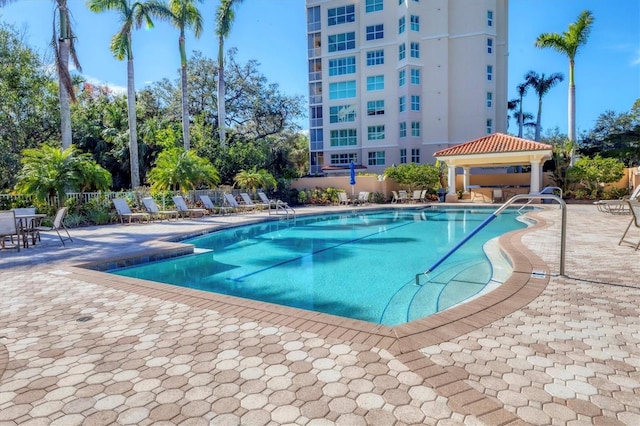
[545,190]
[495,214]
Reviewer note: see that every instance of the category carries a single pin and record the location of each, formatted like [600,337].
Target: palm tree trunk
[571,113]
[133,136]
[221,104]
[538,119]
[63,94]
[185,99]
[520,120]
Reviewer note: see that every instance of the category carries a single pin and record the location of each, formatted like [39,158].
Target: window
[343,137]
[315,93]
[313,19]
[401,23]
[489,126]
[314,44]
[375,57]
[375,82]
[342,113]
[403,103]
[341,15]
[315,136]
[402,51]
[376,158]
[375,133]
[344,41]
[415,103]
[342,90]
[489,18]
[315,69]
[315,113]
[375,32]
[489,45]
[403,129]
[343,159]
[342,66]
[403,156]
[489,72]
[415,129]
[415,155]
[374,5]
[415,23]
[489,99]
[375,107]
[415,49]
[415,76]
[402,77]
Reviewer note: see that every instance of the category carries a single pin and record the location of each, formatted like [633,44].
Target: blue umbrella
[352,176]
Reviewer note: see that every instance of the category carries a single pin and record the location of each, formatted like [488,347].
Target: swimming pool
[360,264]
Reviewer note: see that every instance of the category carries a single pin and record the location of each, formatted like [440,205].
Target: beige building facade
[393,81]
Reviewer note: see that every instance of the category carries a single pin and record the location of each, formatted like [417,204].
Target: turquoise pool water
[360,264]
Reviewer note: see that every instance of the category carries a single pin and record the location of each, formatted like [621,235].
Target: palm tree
[254,179]
[568,44]
[522,90]
[541,84]
[526,118]
[64,48]
[224,18]
[184,14]
[121,47]
[184,170]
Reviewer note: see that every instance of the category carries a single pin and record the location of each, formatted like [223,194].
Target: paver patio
[82,347]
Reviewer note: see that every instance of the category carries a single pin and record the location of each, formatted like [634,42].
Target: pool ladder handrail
[279,205]
[545,190]
[539,196]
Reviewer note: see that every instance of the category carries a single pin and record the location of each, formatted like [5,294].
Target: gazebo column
[452,196]
[534,185]
[466,176]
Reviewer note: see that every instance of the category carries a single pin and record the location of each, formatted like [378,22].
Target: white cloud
[120,90]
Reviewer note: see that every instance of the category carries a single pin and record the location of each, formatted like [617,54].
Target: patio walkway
[82,347]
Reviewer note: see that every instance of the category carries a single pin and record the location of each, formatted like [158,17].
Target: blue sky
[274,33]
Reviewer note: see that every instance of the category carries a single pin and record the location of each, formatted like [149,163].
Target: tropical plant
[541,84]
[176,168]
[121,47]
[415,175]
[568,44]
[50,172]
[562,152]
[184,14]
[254,179]
[225,15]
[595,172]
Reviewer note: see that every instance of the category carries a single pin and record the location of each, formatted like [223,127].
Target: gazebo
[495,150]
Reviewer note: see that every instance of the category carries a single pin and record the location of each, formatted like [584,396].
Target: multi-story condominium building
[393,81]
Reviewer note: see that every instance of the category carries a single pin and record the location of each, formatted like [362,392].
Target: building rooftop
[494,143]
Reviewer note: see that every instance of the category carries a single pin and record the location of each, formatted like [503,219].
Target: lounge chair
[278,205]
[416,197]
[182,207]
[618,206]
[395,198]
[156,213]
[248,201]
[497,195]
[58,224]
[124,212]
[634,208]
[402,196]
[363,197]
[208,204]
[343,198]
[9,230]
[234,204]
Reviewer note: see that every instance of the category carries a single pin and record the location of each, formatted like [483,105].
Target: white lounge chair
[156,213]
[343,198]
[9,230]
[496,195]
[248,201]
[634,208]
[363,197]
[58,224]
[416,197]
[619,206]
[234,204]
[124,212]
[182,207]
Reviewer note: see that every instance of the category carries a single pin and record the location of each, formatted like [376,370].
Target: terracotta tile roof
[497,142]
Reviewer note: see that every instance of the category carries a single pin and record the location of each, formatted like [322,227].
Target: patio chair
[58,224]
[343,198]
[496,195]
[124,212]
[182,207]
[363,197]
[234,204]
[402,196]
[156,213]
[618,206]
[634,208]
[248,201]
[208,204]
[9,230]
[28,224]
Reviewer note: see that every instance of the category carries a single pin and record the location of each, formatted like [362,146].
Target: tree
[254,179]
[121,46]
[522,90]
[49,172]
[415,175]
[568,44]
[595,172]
[224,18]
[179,169]
[184,14]
[541,84]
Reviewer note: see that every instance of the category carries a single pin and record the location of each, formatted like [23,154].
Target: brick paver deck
[83,347]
